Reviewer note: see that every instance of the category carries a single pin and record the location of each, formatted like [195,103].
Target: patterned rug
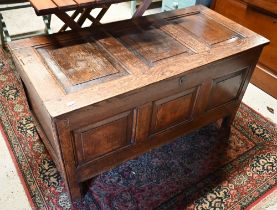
[197,171]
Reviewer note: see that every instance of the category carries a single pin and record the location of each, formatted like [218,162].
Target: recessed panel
[205,28]
[79,65]
[104,137]
[226,89]
[150,44]
[172,110]
[82,63]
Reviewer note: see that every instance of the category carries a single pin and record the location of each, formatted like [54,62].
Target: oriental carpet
[197,171]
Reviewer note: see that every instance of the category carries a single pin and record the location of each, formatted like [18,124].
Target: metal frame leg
[5,36]
[133,7]
[1,30]
[4,33]
[47,22]
[142,8]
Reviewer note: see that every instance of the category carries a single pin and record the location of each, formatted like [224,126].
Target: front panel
[172,110]
[104,137]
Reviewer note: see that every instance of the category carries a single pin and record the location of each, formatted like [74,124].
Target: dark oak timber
[105,96]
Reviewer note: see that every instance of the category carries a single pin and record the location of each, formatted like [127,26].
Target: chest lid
[116,58]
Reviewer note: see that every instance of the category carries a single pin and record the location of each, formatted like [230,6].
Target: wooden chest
[107,95]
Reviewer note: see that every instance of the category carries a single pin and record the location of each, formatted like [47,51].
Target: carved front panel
[175,109]
[104,137]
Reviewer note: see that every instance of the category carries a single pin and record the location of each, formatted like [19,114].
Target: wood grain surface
[106,96]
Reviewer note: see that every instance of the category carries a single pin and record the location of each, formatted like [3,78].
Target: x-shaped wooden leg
[73,16]
[96,21]
[69,21]
[142,8]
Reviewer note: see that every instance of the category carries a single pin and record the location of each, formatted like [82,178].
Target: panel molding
[195,25]
[162,108]
[226,88]
[104,137]
[102,66]
[150,47]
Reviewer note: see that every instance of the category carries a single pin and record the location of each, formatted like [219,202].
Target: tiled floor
[12,195]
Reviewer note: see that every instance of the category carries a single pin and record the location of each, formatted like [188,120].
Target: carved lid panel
[204,28]
[150,44]
[79,65]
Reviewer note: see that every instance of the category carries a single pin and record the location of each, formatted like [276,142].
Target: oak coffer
[110,93]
